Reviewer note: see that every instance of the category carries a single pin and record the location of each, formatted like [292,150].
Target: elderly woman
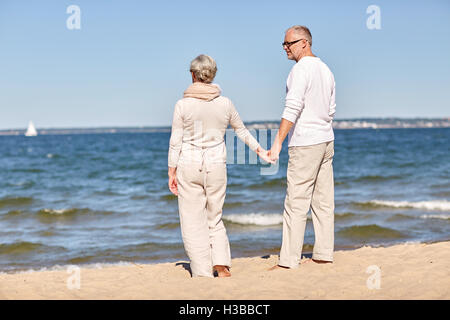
[197,167]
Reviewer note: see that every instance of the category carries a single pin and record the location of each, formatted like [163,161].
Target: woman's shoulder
[226,104]
[223,99]
[219,100]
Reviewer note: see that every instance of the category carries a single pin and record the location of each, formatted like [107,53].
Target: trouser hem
[324,257]
[288,265]
[202,276]
[219,263]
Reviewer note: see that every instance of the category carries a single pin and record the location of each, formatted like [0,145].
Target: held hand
[273,155]
[274,152]
[173,184]
[264,154]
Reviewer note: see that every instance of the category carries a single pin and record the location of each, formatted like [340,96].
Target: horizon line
[245,122]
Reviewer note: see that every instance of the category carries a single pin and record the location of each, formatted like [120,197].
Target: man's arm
[332,111]
[297,84]
[285,127]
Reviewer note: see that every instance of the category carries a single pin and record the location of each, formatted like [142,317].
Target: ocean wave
[65,267]
[259,219]
[13,213]
[376,178]
[438,205]
[53,213]
[28,170]
[23,184]
[272,219]
[273,183]
[108,193]
[371,231]
[53,156]
[435,216]
[169,225]
[133,166]
[445,185]
[400,217]
[169,197]
[235,185]
[139,197]
[58,211]
[345,216]
[236,204]
[444,194]
[69,212]
[15,201]
[24,247]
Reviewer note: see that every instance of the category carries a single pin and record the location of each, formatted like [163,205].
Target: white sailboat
[31,131]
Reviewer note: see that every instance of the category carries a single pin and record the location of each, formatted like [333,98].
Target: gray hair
[204,68]
[303,32]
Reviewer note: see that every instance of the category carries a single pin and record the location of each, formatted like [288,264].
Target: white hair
[204,68]
[303,32]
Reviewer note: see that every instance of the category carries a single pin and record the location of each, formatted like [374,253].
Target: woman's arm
[243,134]
[176,140]
[176,137]
[240,129]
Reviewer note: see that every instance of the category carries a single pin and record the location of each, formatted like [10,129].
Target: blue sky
[129,62]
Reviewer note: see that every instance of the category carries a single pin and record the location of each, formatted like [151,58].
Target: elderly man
[307,117]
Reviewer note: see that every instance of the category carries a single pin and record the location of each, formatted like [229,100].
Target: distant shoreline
[361,123]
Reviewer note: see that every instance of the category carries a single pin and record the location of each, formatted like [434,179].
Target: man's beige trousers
[309,185]
[201,194]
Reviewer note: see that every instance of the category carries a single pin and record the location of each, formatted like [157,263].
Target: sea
[95,200]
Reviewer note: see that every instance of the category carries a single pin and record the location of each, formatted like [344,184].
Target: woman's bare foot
[305,260]
[222,271]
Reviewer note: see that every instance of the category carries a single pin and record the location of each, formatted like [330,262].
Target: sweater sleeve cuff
[173,159]
[289,115]
[253,145]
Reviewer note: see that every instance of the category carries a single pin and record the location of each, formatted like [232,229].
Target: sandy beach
[407,271]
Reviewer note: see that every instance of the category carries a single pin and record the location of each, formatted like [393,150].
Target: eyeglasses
[289,44]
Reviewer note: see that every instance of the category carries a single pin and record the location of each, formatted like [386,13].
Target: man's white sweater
[310,102]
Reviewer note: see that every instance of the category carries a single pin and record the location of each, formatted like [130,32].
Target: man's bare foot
[321,261]
[277,267]
[222,271]
[306,260]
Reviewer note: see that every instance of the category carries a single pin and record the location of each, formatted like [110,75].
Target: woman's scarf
[204,91]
